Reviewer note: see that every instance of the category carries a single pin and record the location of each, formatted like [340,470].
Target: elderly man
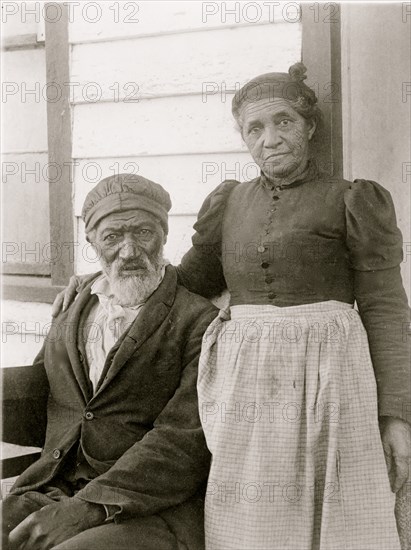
[124,461]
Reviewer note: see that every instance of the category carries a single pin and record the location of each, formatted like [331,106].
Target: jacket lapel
[73,346]
[149,319]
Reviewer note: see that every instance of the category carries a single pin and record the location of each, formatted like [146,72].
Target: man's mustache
[132,266]
[145,263]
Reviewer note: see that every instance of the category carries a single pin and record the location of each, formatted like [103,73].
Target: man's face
[131,247]
[276,136]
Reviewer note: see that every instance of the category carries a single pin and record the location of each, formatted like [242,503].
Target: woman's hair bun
[297,72]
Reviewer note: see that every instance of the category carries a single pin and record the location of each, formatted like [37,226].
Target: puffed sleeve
[200,270]
[375,247]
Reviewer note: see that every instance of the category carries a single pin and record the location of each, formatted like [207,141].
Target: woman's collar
[309,173]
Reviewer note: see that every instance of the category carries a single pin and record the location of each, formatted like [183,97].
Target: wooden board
[163,126]
[59,132]
[188,178]
[196,62]
[20,18]
[116,20]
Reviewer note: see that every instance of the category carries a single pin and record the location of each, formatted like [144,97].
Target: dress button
[276,198]
[89,415]
[265,265]
[56,454]
[269,280]
[261,248]
[271,295]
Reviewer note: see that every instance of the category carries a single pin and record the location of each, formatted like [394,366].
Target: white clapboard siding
[174,134]
[178,242]
[19,350]
[208,63]
[116,20]
[27,319]
[188,179]
[26,199]
[23,112]
[20,18]
[164,126]
[24,327]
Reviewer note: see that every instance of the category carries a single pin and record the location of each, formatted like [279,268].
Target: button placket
[265,264]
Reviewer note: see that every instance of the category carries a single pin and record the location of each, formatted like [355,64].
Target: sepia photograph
[206,275]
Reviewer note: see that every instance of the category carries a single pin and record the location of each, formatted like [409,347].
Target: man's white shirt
[106,323]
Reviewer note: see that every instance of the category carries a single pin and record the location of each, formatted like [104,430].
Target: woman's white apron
[288,404]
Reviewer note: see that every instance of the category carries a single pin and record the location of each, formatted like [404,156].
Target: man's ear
[91,236]
[312,126]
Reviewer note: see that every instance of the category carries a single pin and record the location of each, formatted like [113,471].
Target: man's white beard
[130,290]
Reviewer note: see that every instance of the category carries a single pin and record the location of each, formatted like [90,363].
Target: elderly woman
[289,373]
[287,381]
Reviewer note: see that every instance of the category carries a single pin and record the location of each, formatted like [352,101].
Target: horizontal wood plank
[24,328]
[25,318]
[10,450]
[21,42]
[179,239]
[208,63]
[164,126]
[23,347]
[116,20]
[188,179]
[19,268]
[30,292]
[20,18]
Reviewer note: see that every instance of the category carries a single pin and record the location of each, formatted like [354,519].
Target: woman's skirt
[288,404]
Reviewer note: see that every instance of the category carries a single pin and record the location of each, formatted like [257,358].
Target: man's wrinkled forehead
[128,218]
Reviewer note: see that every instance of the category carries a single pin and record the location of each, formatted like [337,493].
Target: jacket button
[89,415]
[56,454]
[271,295]
[265,265]
[269,280]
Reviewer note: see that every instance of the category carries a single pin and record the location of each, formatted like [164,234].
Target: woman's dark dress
[310,249]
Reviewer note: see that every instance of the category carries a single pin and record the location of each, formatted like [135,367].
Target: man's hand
[56,523]
[396,441]
[66,296]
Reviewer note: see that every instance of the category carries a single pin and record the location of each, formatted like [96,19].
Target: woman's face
[276,136]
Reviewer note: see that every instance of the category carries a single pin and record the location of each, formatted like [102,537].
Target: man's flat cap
[124,192]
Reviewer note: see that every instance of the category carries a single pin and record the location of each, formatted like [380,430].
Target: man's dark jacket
[140,432]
